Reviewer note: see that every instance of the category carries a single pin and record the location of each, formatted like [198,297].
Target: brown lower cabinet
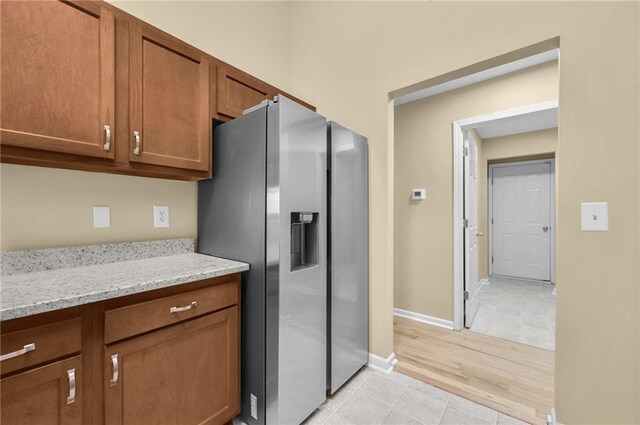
[184,374]
[50,394]
[176,362]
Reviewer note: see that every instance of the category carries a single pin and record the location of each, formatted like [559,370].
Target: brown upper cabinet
[57,85]
[234,91]
[86,86]
[237,91]
[169,115]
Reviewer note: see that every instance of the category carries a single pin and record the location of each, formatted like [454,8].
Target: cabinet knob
[107,138]
[136,138]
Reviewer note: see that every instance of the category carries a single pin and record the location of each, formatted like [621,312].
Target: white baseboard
[381,364]
[483,282]
[551,418]
[423,318]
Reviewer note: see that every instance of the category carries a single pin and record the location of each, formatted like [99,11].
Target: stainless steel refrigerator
[266,205]
[348,274]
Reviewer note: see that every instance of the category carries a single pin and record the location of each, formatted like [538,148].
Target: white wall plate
[160,216]
[595,216]
[101,217]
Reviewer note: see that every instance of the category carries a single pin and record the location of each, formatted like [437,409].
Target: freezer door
[349,267]
[296,262]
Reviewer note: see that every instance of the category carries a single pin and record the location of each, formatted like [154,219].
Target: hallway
[517,310]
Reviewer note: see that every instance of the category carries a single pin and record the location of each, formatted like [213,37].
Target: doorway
[508,224]
[513,138]
[450,178]
[517,299]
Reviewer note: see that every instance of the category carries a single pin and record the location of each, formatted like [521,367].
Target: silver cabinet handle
[185,308]
[71,373]
[23,350]
[107,138]
[136,137]
[479,234]
[114,367]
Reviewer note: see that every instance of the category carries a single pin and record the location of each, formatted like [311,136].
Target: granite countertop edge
[139,284]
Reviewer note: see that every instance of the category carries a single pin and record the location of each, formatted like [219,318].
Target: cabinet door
[57,76]
[169,115]
[185,374]
[50,394]
[237,91]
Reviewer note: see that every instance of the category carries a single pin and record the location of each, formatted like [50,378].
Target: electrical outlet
[160,216]
[101,217]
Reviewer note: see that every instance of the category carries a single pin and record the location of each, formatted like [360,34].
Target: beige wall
[423,158]
[255,36]
[348,68]
[45,208]
[517,147]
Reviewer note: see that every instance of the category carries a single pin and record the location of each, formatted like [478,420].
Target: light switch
[101,217]
[595,216]
[160,216]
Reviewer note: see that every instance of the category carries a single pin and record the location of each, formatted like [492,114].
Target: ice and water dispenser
[304,240]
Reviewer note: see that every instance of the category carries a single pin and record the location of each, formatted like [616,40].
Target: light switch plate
[595,216]
[101,217]
[160,216]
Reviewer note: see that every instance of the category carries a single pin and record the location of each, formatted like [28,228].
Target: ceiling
[478,77]
[515,124]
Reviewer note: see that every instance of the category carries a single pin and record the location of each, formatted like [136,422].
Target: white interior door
[471,231]
[521,229]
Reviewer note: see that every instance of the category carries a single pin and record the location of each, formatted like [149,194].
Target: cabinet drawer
[32,346]
[135,319]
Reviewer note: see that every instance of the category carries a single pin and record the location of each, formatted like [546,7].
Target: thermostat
[418,194]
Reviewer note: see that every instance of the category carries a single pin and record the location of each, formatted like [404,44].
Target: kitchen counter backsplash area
[18,262]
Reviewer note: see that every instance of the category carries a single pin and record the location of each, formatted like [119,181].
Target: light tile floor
[372,398]
[517,310]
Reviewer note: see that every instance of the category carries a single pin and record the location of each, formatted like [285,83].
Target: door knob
[546,228]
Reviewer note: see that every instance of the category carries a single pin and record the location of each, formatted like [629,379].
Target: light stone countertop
[41,291]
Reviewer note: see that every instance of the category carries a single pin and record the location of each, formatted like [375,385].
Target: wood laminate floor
[512,378]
